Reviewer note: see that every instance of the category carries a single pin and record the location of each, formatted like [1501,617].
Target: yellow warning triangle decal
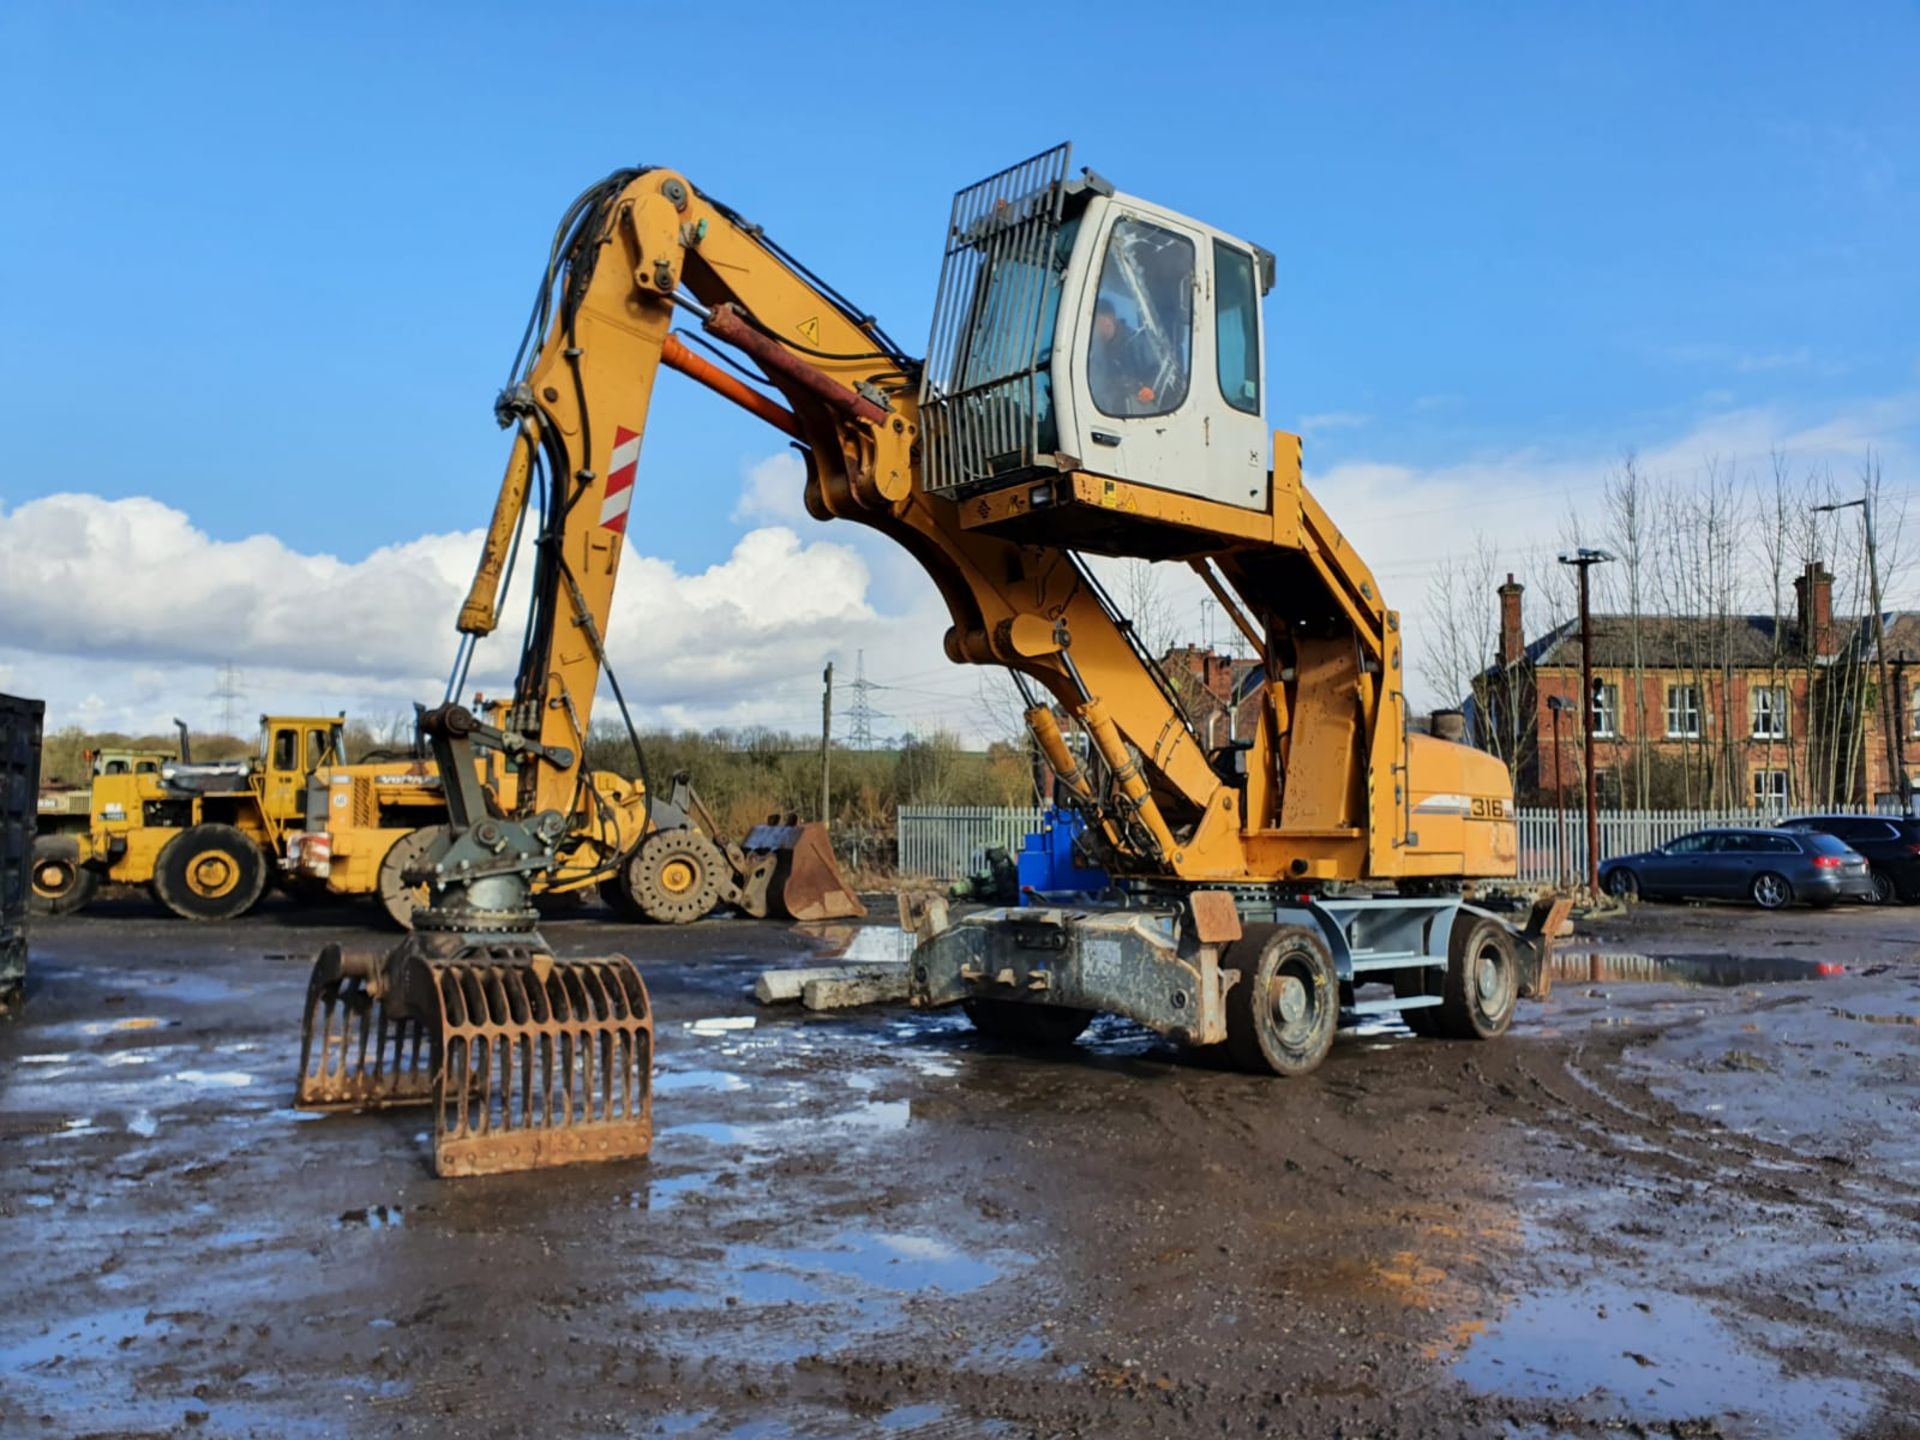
[810,330]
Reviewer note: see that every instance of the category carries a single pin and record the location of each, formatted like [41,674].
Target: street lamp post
[1584,559]
[1556,706]
[1889,702]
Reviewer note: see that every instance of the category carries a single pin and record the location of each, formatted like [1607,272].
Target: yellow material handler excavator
[1095,386]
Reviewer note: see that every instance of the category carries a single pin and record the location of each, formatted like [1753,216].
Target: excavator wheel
[1483,980]
[209,872]
[398,898]
[1282,1012]
[675,876]
[61,884]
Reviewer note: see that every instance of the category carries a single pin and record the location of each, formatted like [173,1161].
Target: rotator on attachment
[528,1061]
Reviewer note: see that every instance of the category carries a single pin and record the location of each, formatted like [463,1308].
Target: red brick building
[1723,711]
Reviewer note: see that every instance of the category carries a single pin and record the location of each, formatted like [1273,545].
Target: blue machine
[1047,862]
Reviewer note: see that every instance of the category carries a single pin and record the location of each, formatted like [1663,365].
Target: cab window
[116,767]
[1236,307]
[319,742]
[286,749]
[1140,360]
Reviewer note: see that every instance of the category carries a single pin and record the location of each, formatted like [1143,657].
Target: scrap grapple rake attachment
[527,1060]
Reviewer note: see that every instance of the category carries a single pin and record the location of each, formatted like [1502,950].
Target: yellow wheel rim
[212,875]
[52,878]
[678,876]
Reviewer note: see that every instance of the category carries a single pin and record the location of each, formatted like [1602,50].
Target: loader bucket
[794,876]
[527,1061]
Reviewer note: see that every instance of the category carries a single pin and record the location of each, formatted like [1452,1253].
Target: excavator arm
[648,251]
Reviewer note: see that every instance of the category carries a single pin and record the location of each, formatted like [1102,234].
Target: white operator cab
[1079,331]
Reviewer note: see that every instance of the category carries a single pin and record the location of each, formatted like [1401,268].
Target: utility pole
[1889,702]
[1556,706]
[826,739]
[1585,559]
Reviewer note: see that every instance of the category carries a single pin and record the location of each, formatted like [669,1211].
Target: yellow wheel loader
[1094,387]
[205,839]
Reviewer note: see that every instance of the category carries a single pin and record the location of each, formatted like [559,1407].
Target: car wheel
[1622,884]
[1771,891]
[1884,891]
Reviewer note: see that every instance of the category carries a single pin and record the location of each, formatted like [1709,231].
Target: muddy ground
[1666,1204]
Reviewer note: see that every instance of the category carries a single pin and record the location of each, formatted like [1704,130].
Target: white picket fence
[944,841]
[1622,832]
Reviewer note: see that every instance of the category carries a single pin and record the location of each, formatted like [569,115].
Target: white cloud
[773,490]
[122,612]
[1311,425]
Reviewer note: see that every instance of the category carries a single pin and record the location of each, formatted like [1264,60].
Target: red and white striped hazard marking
[620,472]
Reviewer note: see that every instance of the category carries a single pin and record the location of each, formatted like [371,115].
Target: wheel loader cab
[1090,333]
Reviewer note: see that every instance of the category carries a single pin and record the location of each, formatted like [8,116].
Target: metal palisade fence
[946,841]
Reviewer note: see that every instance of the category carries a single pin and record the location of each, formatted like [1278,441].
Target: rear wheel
[1283,1010]
[1483,980]
[60,884]
[1885,892]
[1019,1024]
[1771,891]
[398,897]
[1623,884]
[209,872]
[675,876]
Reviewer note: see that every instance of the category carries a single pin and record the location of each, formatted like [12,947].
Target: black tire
[1283,1010]
[59,883]
[397,898]
[1422,1020]
[1622,884]
[675,876]
[1019,1024]
[1771,891]
[209,872]
[1483,980]
[1885,892]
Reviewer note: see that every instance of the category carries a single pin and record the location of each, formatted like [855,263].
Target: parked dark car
[1772,868]
[1891,844]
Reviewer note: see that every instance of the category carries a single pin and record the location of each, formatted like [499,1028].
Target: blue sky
[269,263]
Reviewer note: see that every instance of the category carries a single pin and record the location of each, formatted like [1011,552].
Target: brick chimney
[1813,606]
[1513,640]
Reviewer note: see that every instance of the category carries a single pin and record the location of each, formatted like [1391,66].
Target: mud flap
[1533,946]
[792,875]
[528,1061]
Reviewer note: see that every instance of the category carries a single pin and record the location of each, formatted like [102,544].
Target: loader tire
[675,877]
[1282,1012]
[1483,980]
[209,872]
[61,883]
[397,897]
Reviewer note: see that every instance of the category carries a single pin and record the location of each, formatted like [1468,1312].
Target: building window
[1769,706]
[1770,790]
[1913,711]
[1683,712]
[1606,709]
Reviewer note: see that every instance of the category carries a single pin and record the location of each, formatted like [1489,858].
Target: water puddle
[669,1082]
[855,1265]
[1713,971]
[1646,1356]
[84,1337]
